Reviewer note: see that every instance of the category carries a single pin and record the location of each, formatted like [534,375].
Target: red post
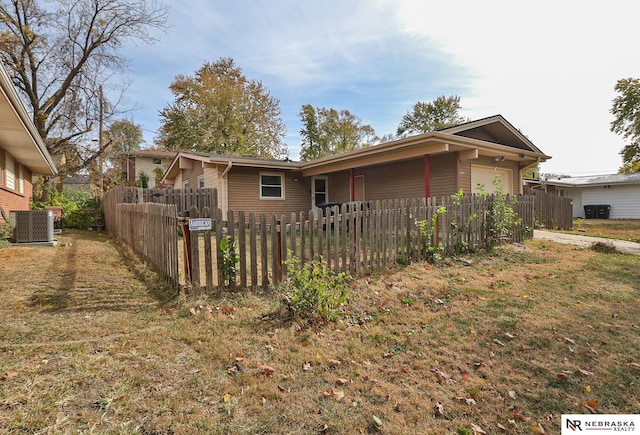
[352,193]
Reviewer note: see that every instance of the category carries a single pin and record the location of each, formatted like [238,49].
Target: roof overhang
[417,146]
[190,160]
[18,135]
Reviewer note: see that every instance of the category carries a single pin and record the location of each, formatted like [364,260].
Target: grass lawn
[621,229]
[90,343]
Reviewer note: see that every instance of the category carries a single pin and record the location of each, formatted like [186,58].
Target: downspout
[427,176]
[225,186]
[352,190]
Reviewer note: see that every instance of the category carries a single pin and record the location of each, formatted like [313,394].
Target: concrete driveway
[621,245]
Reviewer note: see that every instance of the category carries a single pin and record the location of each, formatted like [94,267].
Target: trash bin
[590,211]
[602,211]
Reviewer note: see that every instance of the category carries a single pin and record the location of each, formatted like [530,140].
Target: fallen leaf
[634,365]
[239,357]
[470,401]
[10,375]
[512,394]
[334,394]
[282,389]
[193,311]
[227,398]
[443,375]
[585,372]
[266,370]
[496,341]
[465,377]
[306,366]
[538,429]
[517,415]
[477,429]
[333,362]
[501,427]
[569,340]
[587,388]
[342,381]
[377,421]
[592,403]
[562,375]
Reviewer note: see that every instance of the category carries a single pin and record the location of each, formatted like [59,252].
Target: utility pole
[100,150]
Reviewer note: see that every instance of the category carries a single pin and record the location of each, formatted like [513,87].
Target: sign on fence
[200,224]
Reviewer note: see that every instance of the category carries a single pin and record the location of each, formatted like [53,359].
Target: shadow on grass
[70,295]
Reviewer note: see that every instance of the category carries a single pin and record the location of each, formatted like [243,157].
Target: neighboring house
[430,164]
[147,161]
[77,183]
[22,151]
[619,191]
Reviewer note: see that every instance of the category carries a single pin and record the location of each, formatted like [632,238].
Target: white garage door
[484,176]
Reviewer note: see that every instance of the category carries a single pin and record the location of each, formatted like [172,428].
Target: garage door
[484,176]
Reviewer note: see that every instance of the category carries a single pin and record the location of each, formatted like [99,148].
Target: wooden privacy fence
[553,211]
[151,232]
[352,239]
[183,199]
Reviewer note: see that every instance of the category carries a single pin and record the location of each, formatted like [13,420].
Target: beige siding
[465,172]
[244,192]
[191,175]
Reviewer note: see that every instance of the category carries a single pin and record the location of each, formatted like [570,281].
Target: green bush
[6,233]
[80,208]
[313,292]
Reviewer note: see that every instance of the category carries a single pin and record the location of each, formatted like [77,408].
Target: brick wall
[12,200]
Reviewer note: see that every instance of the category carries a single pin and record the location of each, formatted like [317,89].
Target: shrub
[6,233]
[80,208]
[229,258]
[313,292]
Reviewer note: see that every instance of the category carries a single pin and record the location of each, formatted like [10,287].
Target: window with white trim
[271,186]
[201,182]
[10,174]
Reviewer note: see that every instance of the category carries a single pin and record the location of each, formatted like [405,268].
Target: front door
[319,191]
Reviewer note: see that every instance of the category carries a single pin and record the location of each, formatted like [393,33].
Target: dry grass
[512,341]
[621,229]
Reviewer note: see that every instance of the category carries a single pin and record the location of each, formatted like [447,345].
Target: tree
[326,132]
[59,54]
[124,136]
[431,116]
[626,110]
[219,110]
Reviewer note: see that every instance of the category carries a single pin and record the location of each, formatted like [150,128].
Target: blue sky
[549,67]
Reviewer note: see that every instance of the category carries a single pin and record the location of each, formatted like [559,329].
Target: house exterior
[23,153]
[146,161]
[431,164]
[619,191]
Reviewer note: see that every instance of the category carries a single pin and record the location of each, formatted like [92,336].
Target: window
[185,185]
[201,182]
[156,160]
[10,175]
[271,186]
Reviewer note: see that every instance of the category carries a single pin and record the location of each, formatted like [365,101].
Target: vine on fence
[502,217]
[432,252]
[230,258]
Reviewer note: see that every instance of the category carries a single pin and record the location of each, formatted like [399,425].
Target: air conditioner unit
[32,225]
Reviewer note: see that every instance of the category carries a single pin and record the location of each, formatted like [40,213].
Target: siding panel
[624,200]
[244,192]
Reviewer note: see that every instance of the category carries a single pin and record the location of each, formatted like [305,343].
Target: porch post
[427,177]
[352,193]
